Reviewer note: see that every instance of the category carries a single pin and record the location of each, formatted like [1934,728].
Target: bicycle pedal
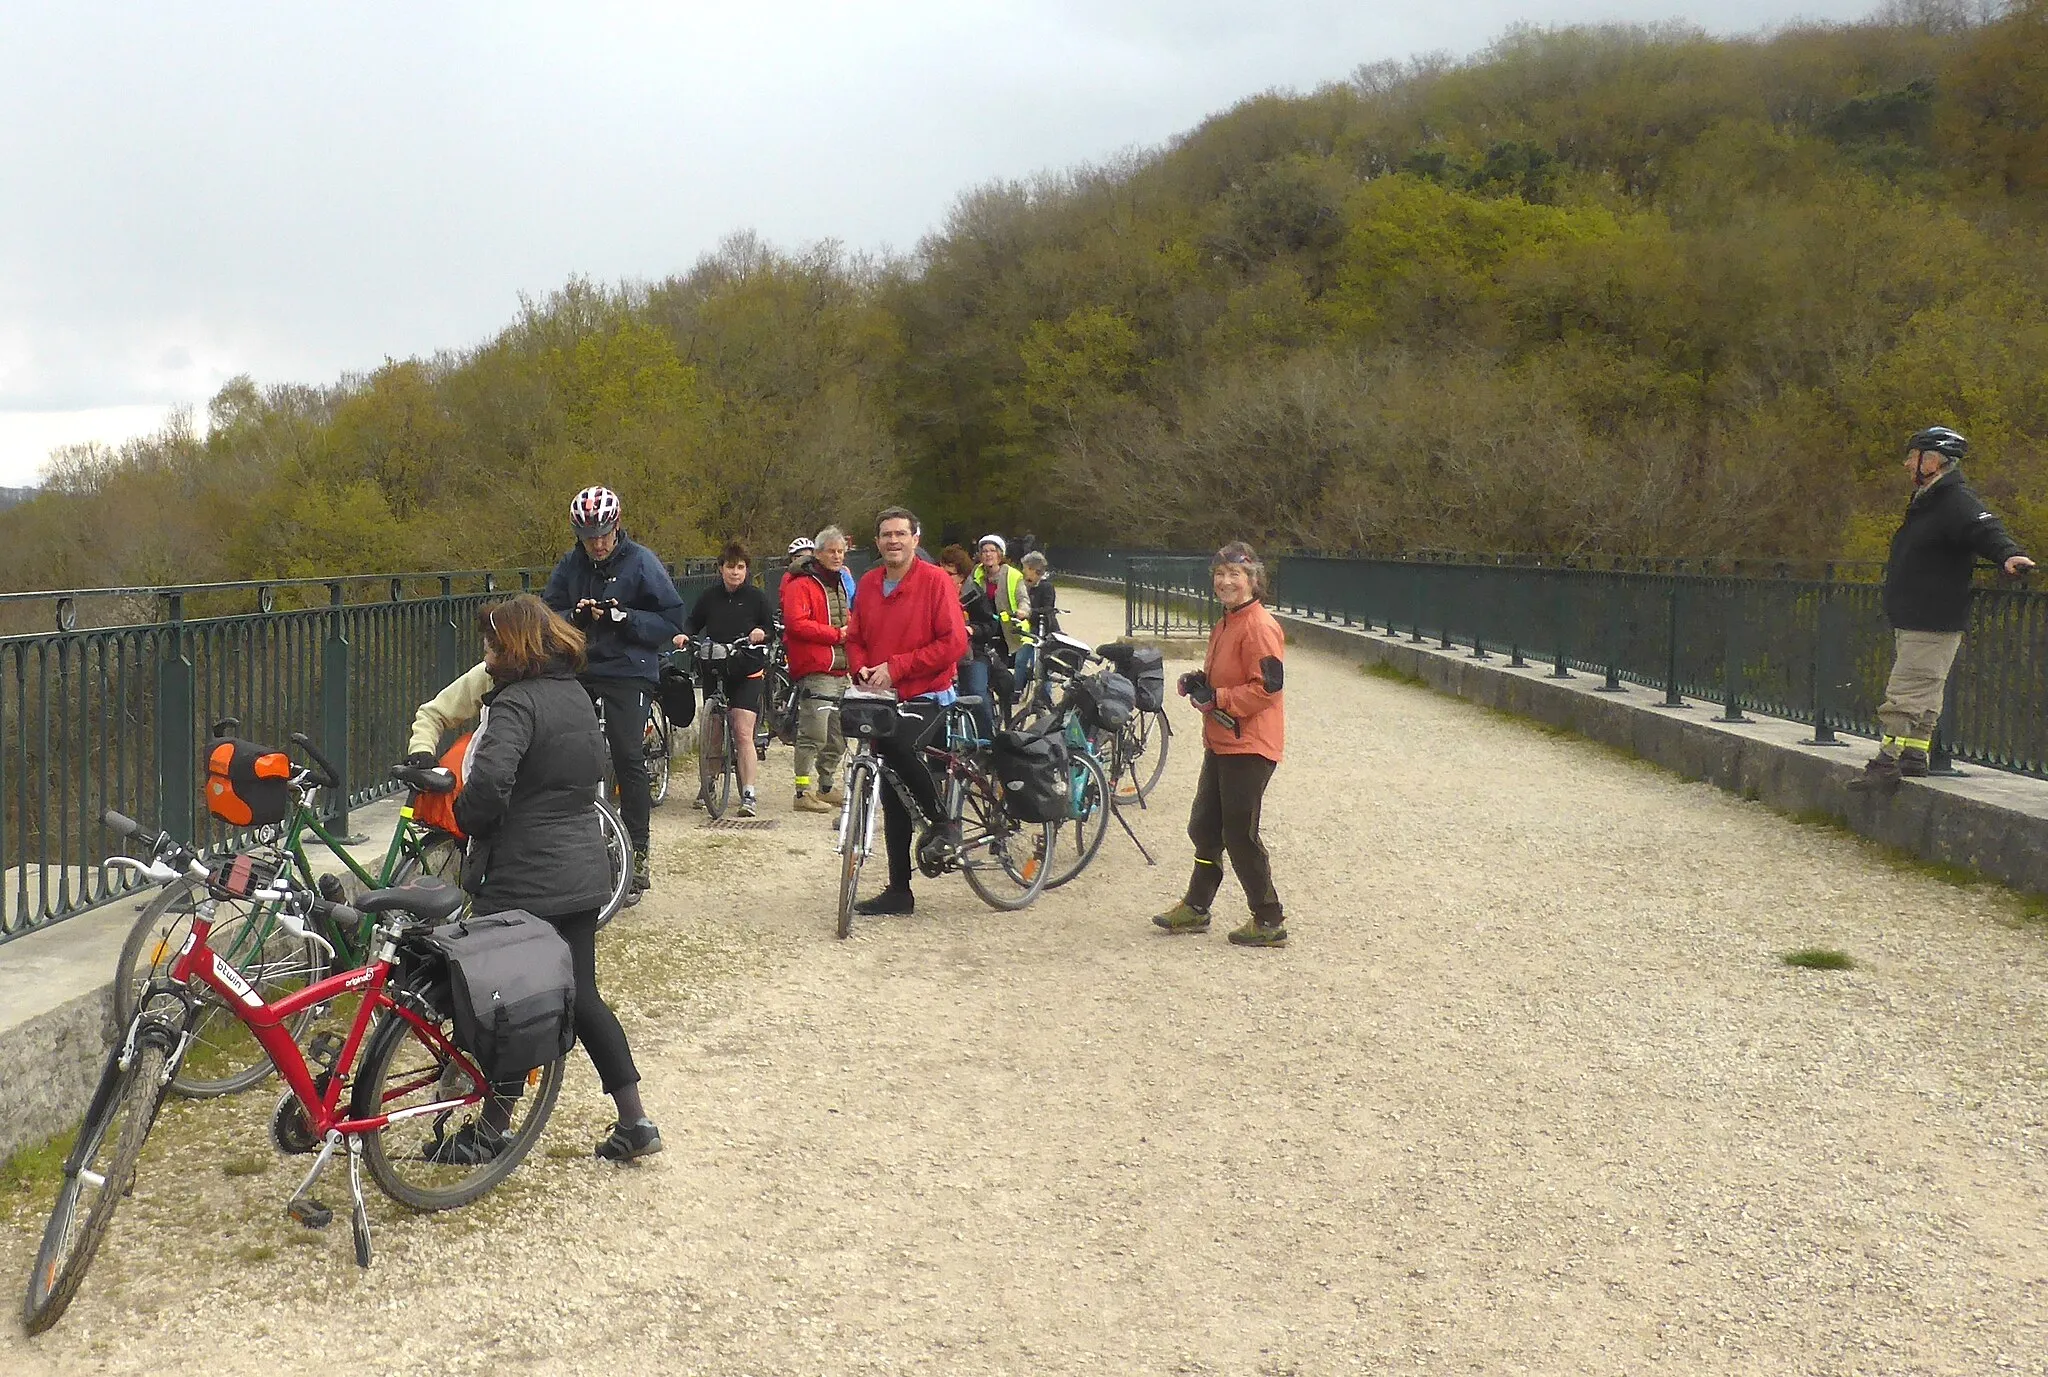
[325,1047]
[309,1212]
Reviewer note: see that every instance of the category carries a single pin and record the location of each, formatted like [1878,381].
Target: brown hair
[1239,553]
[890,514]
[528,636]
[735,553]
[958,560]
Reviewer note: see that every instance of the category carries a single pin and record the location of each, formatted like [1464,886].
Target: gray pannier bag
[511,990]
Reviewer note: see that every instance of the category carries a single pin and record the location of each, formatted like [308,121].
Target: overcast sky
[197,190]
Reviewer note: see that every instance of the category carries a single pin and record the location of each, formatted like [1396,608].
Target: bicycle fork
[860,798]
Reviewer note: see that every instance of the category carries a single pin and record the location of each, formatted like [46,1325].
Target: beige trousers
[819,741]
[1912,696]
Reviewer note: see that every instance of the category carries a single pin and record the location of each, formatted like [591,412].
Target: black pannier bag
[1144,666]
[1105,701]
[511,990]
[1031,771]
[678,694]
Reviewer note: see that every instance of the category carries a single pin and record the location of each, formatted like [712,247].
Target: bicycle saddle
[436,779]
[968,700]
[427,899]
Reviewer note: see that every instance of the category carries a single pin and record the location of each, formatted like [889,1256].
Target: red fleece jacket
[918,630]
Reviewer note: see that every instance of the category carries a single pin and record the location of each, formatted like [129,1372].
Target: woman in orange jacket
[1244,726]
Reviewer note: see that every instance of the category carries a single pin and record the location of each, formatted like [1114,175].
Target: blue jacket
[628,649]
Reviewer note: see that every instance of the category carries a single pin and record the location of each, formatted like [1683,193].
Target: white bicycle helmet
[594,512]
[992,539]
[802,545]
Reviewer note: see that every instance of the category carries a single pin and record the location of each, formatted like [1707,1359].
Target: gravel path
[1530,1092]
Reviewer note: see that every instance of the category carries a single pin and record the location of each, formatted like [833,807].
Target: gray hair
[831,535]
[1034,560]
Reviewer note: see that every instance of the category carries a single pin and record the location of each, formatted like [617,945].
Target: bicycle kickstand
[360,1221]
[1125,823]
[303,1207]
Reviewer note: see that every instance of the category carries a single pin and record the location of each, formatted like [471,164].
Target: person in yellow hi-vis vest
[1003,584]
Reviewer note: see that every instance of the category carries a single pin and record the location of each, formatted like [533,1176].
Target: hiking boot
[835,797]
[814,803]
[1257,934]
[748,807]
[703,799]
[1913,763]
[629,1141]
[472,1145]
[642,878]
[1181,918]
[889,903]
[1880,776]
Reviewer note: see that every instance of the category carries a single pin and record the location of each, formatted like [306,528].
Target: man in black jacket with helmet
[1927,599]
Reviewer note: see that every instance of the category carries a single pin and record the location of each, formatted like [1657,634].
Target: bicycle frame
[197,963]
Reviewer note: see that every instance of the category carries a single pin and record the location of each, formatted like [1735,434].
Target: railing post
[334,676]
[1561,605]
[1612,683]
[445,668]
[1475,601]
[1518,615]
[1826,656]
[1415,628]
[1672,697]
[1732,678]
[175,730]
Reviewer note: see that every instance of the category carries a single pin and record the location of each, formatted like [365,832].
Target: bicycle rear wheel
[401,1070]
[655,745]
[618,850]
[439,857]
[224,1057]
[853,840]
[1003,860]
[1138,757]
[97,1175]
[1076,841]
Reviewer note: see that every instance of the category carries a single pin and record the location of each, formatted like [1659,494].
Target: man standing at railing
[1927,600]
[627,607]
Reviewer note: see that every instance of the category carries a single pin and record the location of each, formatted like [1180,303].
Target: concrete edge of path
[1992,822]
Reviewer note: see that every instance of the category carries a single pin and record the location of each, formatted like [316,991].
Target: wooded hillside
[1627,290]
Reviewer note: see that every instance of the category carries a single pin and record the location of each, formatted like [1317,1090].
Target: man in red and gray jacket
[906,633]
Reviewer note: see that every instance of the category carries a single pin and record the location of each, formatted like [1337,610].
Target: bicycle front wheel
[1003,860]
[224,1057]
[618,851]
[853,840]
[655,745]
[450,1157]
[1075,841]
[96,1176]
[718,786]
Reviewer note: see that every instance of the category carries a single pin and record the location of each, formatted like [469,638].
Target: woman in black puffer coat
[534,767]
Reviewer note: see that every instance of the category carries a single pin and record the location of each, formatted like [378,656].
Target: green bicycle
[225,1057]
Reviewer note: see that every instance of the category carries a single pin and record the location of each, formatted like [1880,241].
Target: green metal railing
[112,708]
[1812,647]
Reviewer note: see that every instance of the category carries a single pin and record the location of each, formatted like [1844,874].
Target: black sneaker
[643,878]
[1913,763]
[627,1142]
[889,903]
[472,1145]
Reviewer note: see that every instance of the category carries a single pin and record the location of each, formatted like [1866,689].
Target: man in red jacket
[905,633]
[817,601]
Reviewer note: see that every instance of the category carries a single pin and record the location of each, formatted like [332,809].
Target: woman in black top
[535,763]
[733,610]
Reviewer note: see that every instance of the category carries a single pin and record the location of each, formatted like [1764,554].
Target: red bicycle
[419,1112]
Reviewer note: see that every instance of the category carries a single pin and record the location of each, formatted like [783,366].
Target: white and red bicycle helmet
[594,512]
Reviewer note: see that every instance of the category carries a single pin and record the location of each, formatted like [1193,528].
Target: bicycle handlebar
[120,823]
[328,777]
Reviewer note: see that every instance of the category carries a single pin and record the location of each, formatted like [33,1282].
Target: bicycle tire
[1139,755]
[1086,830]
[718,787]
[618,850]
[224,1058]
[439,857]
[1006,880]
[422,1070]
[860,795]
[131,1097]
[655,745]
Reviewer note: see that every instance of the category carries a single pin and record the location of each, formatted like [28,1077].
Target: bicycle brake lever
[296,925]
[156,872]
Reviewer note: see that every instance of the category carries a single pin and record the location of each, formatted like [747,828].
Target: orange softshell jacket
[1245,668]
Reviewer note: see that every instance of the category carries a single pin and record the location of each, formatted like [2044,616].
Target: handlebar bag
[511,990]
[247,784]
[438,810]
[1031,771]
[1145,667]
[867,716]
[678,694]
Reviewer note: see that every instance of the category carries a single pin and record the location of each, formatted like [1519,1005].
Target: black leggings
[625,728]
[904,752]
[597,1027]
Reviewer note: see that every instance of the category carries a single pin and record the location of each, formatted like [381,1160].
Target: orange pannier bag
[247,784]
[438,810]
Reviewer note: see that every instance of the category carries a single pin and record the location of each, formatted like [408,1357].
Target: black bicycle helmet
[1939,440]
